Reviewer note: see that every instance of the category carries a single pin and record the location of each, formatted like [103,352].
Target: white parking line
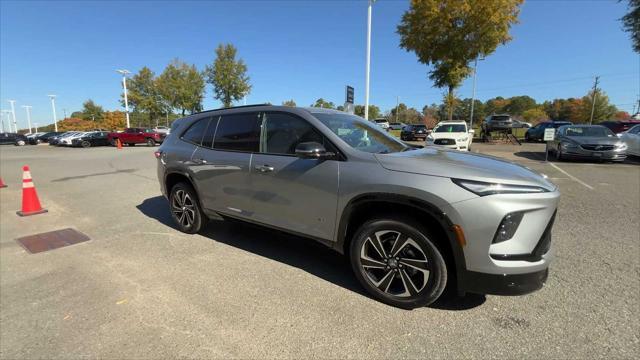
[572,177]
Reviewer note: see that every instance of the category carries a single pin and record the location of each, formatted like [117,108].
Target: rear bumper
[503,284]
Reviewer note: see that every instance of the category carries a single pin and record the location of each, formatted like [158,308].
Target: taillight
[157,154]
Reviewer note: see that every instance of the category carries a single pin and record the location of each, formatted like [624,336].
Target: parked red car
[620,125]
[132,136]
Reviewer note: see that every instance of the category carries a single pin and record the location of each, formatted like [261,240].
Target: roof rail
[233,107]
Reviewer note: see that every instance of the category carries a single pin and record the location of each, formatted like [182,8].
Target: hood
[436,161]
[600,140]
[448,135]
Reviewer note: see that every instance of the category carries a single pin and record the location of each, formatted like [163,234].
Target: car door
[295,194]
[222,161]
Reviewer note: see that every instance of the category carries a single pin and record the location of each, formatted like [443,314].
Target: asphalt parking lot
[141,289]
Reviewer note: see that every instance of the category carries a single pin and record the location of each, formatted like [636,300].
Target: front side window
[195,131]
[282,132]
[238,132]
[360,134]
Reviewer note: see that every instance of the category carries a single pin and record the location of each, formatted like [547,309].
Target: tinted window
[195,131]
[283,132]
[207,140]
[500,118]
[239,132]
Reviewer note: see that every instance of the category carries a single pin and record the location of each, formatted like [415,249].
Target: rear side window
[207,140]
[195,131]
[238,132]
[283,132]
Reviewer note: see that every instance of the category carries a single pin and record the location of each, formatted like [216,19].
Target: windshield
[595,131]
[557,124]
[500,117]
[360,134]
[380,121]
[451,128]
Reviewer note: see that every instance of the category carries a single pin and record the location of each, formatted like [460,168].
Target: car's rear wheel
[558,154]
[185,209]
[85,144]
[114,142]
[397,263]
[151,142]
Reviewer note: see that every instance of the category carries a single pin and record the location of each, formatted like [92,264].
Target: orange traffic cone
[2,184]
[30,202]
[119,144]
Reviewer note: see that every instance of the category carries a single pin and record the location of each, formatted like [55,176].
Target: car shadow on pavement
[302,253]
[530,155]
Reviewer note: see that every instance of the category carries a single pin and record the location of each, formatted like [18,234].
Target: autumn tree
[535,115]
[449,34]
[631,23]
[181,86]
[228,75]
[289,103]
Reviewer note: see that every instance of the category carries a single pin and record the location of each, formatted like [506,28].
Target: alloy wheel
[394,263]
[183,208]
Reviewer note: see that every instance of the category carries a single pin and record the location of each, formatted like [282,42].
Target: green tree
[181,86]
[90,111]
[631,23]
[228,75]
[401,109]
[144,95]
[374,111]
[289,103]
[449,34]
[602,110]
[519,104]
[463,111]
[496,105]
[322,103]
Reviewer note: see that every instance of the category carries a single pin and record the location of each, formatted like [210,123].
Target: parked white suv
[451,134]
[383,123]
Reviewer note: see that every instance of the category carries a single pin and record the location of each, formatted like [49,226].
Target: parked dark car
[589,142]
[413,132]
[93,139]
[497,123]
[45,138]
[536,133]
[13,139]
[620,126]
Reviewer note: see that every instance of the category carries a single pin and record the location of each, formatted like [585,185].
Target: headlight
[567,145]
[463,139]
[484,188]
[621,146]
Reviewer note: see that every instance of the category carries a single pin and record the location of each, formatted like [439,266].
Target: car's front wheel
[185,209]
[151,142]
[85,144]
[397,263]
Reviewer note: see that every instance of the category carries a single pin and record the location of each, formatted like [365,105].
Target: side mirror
[312,150]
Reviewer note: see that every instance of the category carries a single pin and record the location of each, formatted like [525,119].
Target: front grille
[596,147]
[444,142]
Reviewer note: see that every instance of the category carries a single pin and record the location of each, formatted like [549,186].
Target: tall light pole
[2,113]
[13,113]
[53,107]
[28,109]
[473,96]
[124,85]
[366,79]
[36,125]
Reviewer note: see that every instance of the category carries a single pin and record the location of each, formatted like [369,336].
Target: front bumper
[503,284]
[579,153]
[450,144]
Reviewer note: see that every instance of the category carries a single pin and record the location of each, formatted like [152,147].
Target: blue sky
[299,50]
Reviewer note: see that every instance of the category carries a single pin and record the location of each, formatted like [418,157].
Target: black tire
[150,142]
[114,142]
[405,267]
[85,144]
[185,209]
[526,137]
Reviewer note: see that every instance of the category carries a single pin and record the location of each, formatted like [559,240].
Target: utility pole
[473,95]
[593,99]
[124,85]
[53,107]
[28,108]
[13,113]
[397,104]
[64,111]
[368,65]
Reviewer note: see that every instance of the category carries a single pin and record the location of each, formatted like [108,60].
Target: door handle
[264,168]
[199,161]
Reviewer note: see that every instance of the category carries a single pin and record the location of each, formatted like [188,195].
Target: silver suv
[412,221]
